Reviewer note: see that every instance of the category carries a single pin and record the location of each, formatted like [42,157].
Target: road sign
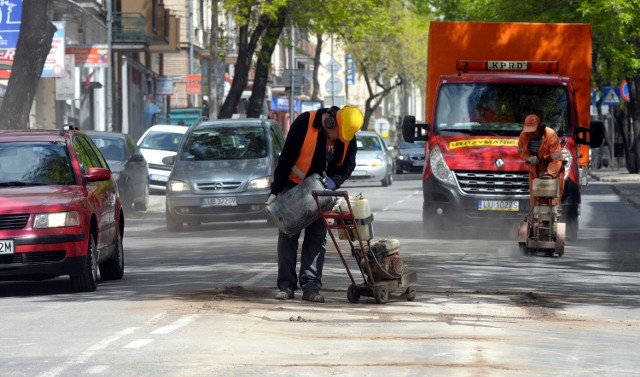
[333,85]
[334,66]
[611,96]
[624,91]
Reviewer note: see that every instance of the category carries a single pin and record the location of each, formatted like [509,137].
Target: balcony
[129,31]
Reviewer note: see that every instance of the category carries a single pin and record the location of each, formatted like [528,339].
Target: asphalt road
[200,303]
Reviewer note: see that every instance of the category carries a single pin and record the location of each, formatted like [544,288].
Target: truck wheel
[572,228]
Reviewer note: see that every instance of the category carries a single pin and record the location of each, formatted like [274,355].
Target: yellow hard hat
[350,121]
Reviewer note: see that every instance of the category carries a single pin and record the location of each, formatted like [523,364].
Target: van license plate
[499,205]
[228,201]
[6,247]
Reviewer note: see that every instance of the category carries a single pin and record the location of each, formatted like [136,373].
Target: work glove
[270,199]
[329,183]
[533,160]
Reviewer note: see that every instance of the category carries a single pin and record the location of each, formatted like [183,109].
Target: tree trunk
[269,42]
[34,43]
[633,153]
[246,49]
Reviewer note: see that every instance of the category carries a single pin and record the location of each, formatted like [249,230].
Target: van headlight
[262,183]
[568,159]
[439,167]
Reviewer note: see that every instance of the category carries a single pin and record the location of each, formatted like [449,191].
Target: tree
[34,43]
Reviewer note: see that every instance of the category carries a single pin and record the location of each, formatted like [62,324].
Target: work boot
[285,294]
[313,296]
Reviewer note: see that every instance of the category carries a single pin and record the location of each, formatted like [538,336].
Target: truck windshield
[499,109]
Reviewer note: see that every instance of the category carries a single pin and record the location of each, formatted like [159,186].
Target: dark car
[60,213]
[222,172]
[410,157]
[128,167]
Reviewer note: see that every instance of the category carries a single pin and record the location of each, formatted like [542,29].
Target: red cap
[531,123]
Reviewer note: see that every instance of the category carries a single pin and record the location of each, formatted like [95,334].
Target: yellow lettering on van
[483,143]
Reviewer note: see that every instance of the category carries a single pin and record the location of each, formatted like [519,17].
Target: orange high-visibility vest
[303,163]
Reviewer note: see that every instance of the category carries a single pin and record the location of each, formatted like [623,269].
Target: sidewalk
[624,184]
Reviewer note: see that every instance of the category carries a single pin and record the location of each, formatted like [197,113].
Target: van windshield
[499,109]
[225,143]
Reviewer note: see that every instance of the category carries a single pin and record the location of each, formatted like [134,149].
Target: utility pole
[109,83]
[213,63]
[293,73]
[190,31]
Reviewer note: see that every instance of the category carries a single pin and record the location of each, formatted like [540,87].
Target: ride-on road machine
[541,231]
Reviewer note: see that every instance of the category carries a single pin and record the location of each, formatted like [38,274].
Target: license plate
[6,247]
[418,163]
[499,205]
[158,178]
[359,172]
[229,201]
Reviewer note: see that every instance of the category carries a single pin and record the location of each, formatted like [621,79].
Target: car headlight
[439,167]
[56,220]
[401,157]
[568,159]
[260,183]
[178,186]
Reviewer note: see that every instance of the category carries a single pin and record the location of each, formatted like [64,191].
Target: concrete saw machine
[541,232]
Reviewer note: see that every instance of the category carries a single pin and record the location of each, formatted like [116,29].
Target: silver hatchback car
[222,172]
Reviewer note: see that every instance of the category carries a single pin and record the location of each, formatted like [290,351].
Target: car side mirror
[169,160]
[592,136]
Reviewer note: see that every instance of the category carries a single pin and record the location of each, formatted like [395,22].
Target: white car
[156,143]
[374,163]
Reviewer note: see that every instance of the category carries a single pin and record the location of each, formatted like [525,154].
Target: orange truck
[483,79]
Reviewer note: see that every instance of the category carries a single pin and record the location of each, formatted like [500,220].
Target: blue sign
[611,96]
[351,70]
[10,16]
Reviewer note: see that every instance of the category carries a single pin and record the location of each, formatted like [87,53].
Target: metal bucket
[295,209]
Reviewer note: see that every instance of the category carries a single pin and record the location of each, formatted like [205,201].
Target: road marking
[98,369]
[138,343]
[155,318]
[84,356]
[395,205]
[180,322]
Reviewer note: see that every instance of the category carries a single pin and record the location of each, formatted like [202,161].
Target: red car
[60,213]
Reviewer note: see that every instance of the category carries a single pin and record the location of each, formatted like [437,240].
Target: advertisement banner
[194,84]
[90,56]
[54,65]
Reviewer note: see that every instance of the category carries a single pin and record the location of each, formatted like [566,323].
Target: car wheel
[86,279]
[113,269]
[173,225]
[143,205]
[387,180]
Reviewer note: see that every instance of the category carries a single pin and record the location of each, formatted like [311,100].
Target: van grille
[492,183]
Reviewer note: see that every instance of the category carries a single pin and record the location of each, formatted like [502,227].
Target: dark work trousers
[311,261]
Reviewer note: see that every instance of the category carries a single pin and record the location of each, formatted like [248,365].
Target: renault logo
[499,163]
[218,186]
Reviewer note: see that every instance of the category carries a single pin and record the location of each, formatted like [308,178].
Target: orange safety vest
[303,163]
